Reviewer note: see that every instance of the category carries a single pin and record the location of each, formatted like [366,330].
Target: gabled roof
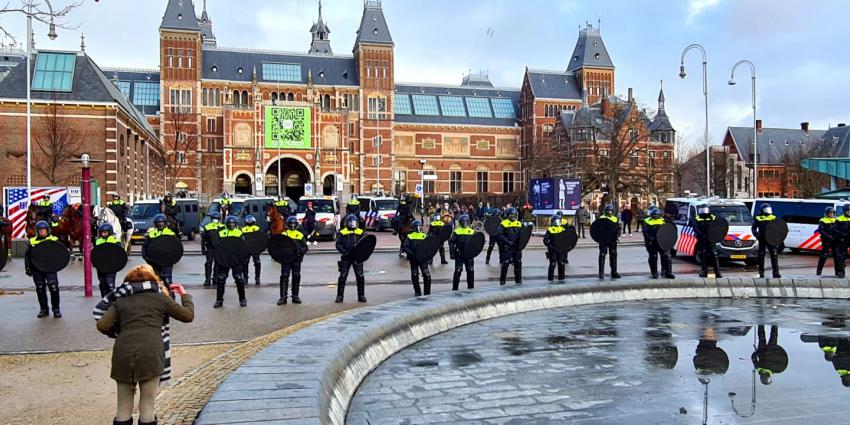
[223,64]
[553,84]
[590,51]
[661,122]
[464,91]
[180,15]
[373,26]
[840,136]
[775,143]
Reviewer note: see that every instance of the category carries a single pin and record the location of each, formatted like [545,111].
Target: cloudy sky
[800,48]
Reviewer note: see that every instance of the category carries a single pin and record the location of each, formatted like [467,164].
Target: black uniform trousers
[295,270]
[460,263]
[490,245]
[605,250]
[827,246]
[344,267]
[220,279]
[765,249]
[415,268]
[45,282]
[164,273]
[257,268]
[556,260]
[666,260]
[508,256]
[209,262]
[106,283]
[709,256]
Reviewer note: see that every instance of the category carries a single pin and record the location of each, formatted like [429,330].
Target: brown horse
[70,228]
[277,224]
[405,227]
[6,236]
[31,219]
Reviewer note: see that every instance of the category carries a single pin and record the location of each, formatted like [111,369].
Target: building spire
[661,97]
[83,42]
[321,44]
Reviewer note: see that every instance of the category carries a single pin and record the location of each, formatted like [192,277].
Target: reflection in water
[709,358]
[661,352]
[836,350]
[769,358]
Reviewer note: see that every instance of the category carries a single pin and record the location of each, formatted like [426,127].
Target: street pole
[705,95]
[755,129]
[29,104]
[422,183]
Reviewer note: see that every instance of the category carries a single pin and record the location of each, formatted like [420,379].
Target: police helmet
[46,197]
[703,209]
[463,220]
[609,209]
[351,221]
[846,208]
[216,215]
[160,218]
[436,217]
[556,220]
[250,219]
[655,213]
[292,222]
[116,196]
[512,213]
[766,209]
[417,225]
[41,224]
[828,211]
[105,227]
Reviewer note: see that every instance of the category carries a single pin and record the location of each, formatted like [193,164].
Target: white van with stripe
[802,216]
[739,245]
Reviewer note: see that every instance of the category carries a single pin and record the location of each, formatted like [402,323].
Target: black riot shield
[50,256]
[565,242]
[474,245]
[109,257]
[3,259]
[524,237]
[775,232]
[717,230]
[283,249]
[666,236]
[604,231]
[364,248]
[427,249]
[165,250]
[257,242]
[445,233]
[231,252]
[492,225]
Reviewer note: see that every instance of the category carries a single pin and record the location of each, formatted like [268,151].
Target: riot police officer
[353,208]
[295,268]
[106,281]
[119,208]
[43,281]
[209,234]
[705,249]
[457,246]
[251,227]
[610,247]
[401,213]
[44,208]
[159,229]
[346,240]
[410,247]
[555,259]
[283,207]
[760,222]
[509,252]
[650,228]
[829,242]
[230,230]
[491,243]
[434,229]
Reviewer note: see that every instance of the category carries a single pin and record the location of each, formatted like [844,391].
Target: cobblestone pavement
[627,363]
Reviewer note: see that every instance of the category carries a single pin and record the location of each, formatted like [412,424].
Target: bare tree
[688,165]
[806,183]
[42,11]
[57,141]
[179,140]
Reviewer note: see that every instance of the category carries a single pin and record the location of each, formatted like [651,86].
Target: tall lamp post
[86,189]
[755,129]
[422,183]
[705,95]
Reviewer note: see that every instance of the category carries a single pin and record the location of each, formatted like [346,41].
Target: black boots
[219,295]
[518,272]
[147,423]
[456,279]
[653,268]
[240,289]
[417,290]
[296,286]
[127,422]
[550,273]
[257,269]
[426,279]
[613,263]
[361,289]
[774,264]
[470,279]
[41,292]
[601,266]
[207,274]
[340,289]
[284,288]
[503,274]
[54,300]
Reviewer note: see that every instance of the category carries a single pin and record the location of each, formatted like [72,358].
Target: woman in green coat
[138,356]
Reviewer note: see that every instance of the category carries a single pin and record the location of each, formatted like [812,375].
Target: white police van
[739,245]
[378,211]
[802,217]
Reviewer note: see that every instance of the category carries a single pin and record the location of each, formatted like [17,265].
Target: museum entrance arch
[242,185]
[293,175]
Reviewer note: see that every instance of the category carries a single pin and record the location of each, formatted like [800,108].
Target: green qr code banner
[287,127]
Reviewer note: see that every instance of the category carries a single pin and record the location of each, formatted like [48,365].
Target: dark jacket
[457,242]
[309,221]
[509,234]
[700,225]
[300,241]
[826,228]
[411,243]
[626,216]
[119,207]
[650,229]
[346,239]
[138,354]
[760,223]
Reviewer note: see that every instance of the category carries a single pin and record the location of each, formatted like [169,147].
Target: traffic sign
[419,189]
[308,189]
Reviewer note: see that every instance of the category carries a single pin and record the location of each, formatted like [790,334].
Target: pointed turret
[180,15]
[590,51]
[321,44]
[207,35]
[373,26]
[661,128]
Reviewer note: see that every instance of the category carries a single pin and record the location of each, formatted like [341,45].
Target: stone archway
[294,173]
[243,184]
[329,185]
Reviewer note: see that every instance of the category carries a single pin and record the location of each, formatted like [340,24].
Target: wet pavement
[653,362]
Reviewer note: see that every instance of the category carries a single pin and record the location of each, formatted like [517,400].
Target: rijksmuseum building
[250,121]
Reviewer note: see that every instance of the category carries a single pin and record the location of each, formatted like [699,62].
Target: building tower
[373,52]
[321,44]
[207,35]
[661,128]
[592,65]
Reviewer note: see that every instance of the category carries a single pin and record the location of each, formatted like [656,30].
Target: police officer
[251,227]
[106,281]
[434,229]
[842,233]
[705,249]
[44,208]
[401,213]
[170,209]
[209,235]
[346,240]
[760,222]
[282,206]
[410,246]
[650,228]
[43,281]
[610,247]
[295,268]
[230,230]
[555,259]
[509,253]
[492,239]
[829,242]
[457,246]
[159,229]
[353,208]
[119,208]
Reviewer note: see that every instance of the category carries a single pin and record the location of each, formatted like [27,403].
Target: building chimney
[758,126]
[630,95]
[606,107]
[842,124]
[804,126]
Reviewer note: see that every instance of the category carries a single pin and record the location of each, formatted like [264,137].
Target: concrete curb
[311,376]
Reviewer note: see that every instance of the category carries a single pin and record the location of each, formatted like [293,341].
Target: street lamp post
[86,189]
[422,183]
[705,95]
[755,128]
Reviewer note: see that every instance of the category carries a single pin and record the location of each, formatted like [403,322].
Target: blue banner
[555,194]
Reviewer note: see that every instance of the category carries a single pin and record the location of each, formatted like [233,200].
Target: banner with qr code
[287,127]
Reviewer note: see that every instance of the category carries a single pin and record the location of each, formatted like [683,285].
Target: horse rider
[43,281]
[410,247]
[705,249]
[434,227]
[160,228]
[457,245]
[401,213]
[610,247]
[209,233]
[295,268]
[170,209]
[509,252]
[283,207]
[119,208]
[44,208]
[650,228]
[760,222]
[346,240]
[830,242]
[230,230]
[251,227]
[555,259]
[106,281]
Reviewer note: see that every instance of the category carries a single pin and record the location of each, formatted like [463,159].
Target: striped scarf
[127,289]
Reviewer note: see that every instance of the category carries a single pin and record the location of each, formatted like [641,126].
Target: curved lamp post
[755,130]
[705,95]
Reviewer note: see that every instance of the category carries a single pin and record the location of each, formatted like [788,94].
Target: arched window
[274,97]
[290,97]
[244,100]
[236,98]
[326,102]
[217,97]
[204,97]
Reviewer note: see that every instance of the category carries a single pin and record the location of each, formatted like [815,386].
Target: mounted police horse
[103,215]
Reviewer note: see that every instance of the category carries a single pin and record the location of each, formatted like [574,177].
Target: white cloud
[697,7]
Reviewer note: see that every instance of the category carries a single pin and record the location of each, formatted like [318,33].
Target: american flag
[371,218]
[16,199]
[687,241]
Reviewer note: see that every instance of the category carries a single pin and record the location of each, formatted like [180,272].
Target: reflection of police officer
[762,219]
[434,229]
[411,246]
[221,270]
[345,242]
[651,225]
[709,358]
[43,281]
[457,246]
[830,243]
[836,350]
[609,247]
[769,358]
[661,351]
[295,268]
[159,229]
[705,249]
[209,233]
[251,227]
[509,252]
[106,281]
[555,259]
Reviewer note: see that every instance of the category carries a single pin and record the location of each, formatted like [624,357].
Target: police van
[144,211]
[327,213]
[802,217]
[378,211]
[241,206]
[739,245]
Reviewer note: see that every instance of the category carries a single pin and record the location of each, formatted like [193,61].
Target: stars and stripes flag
[687,242]
[16,203]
